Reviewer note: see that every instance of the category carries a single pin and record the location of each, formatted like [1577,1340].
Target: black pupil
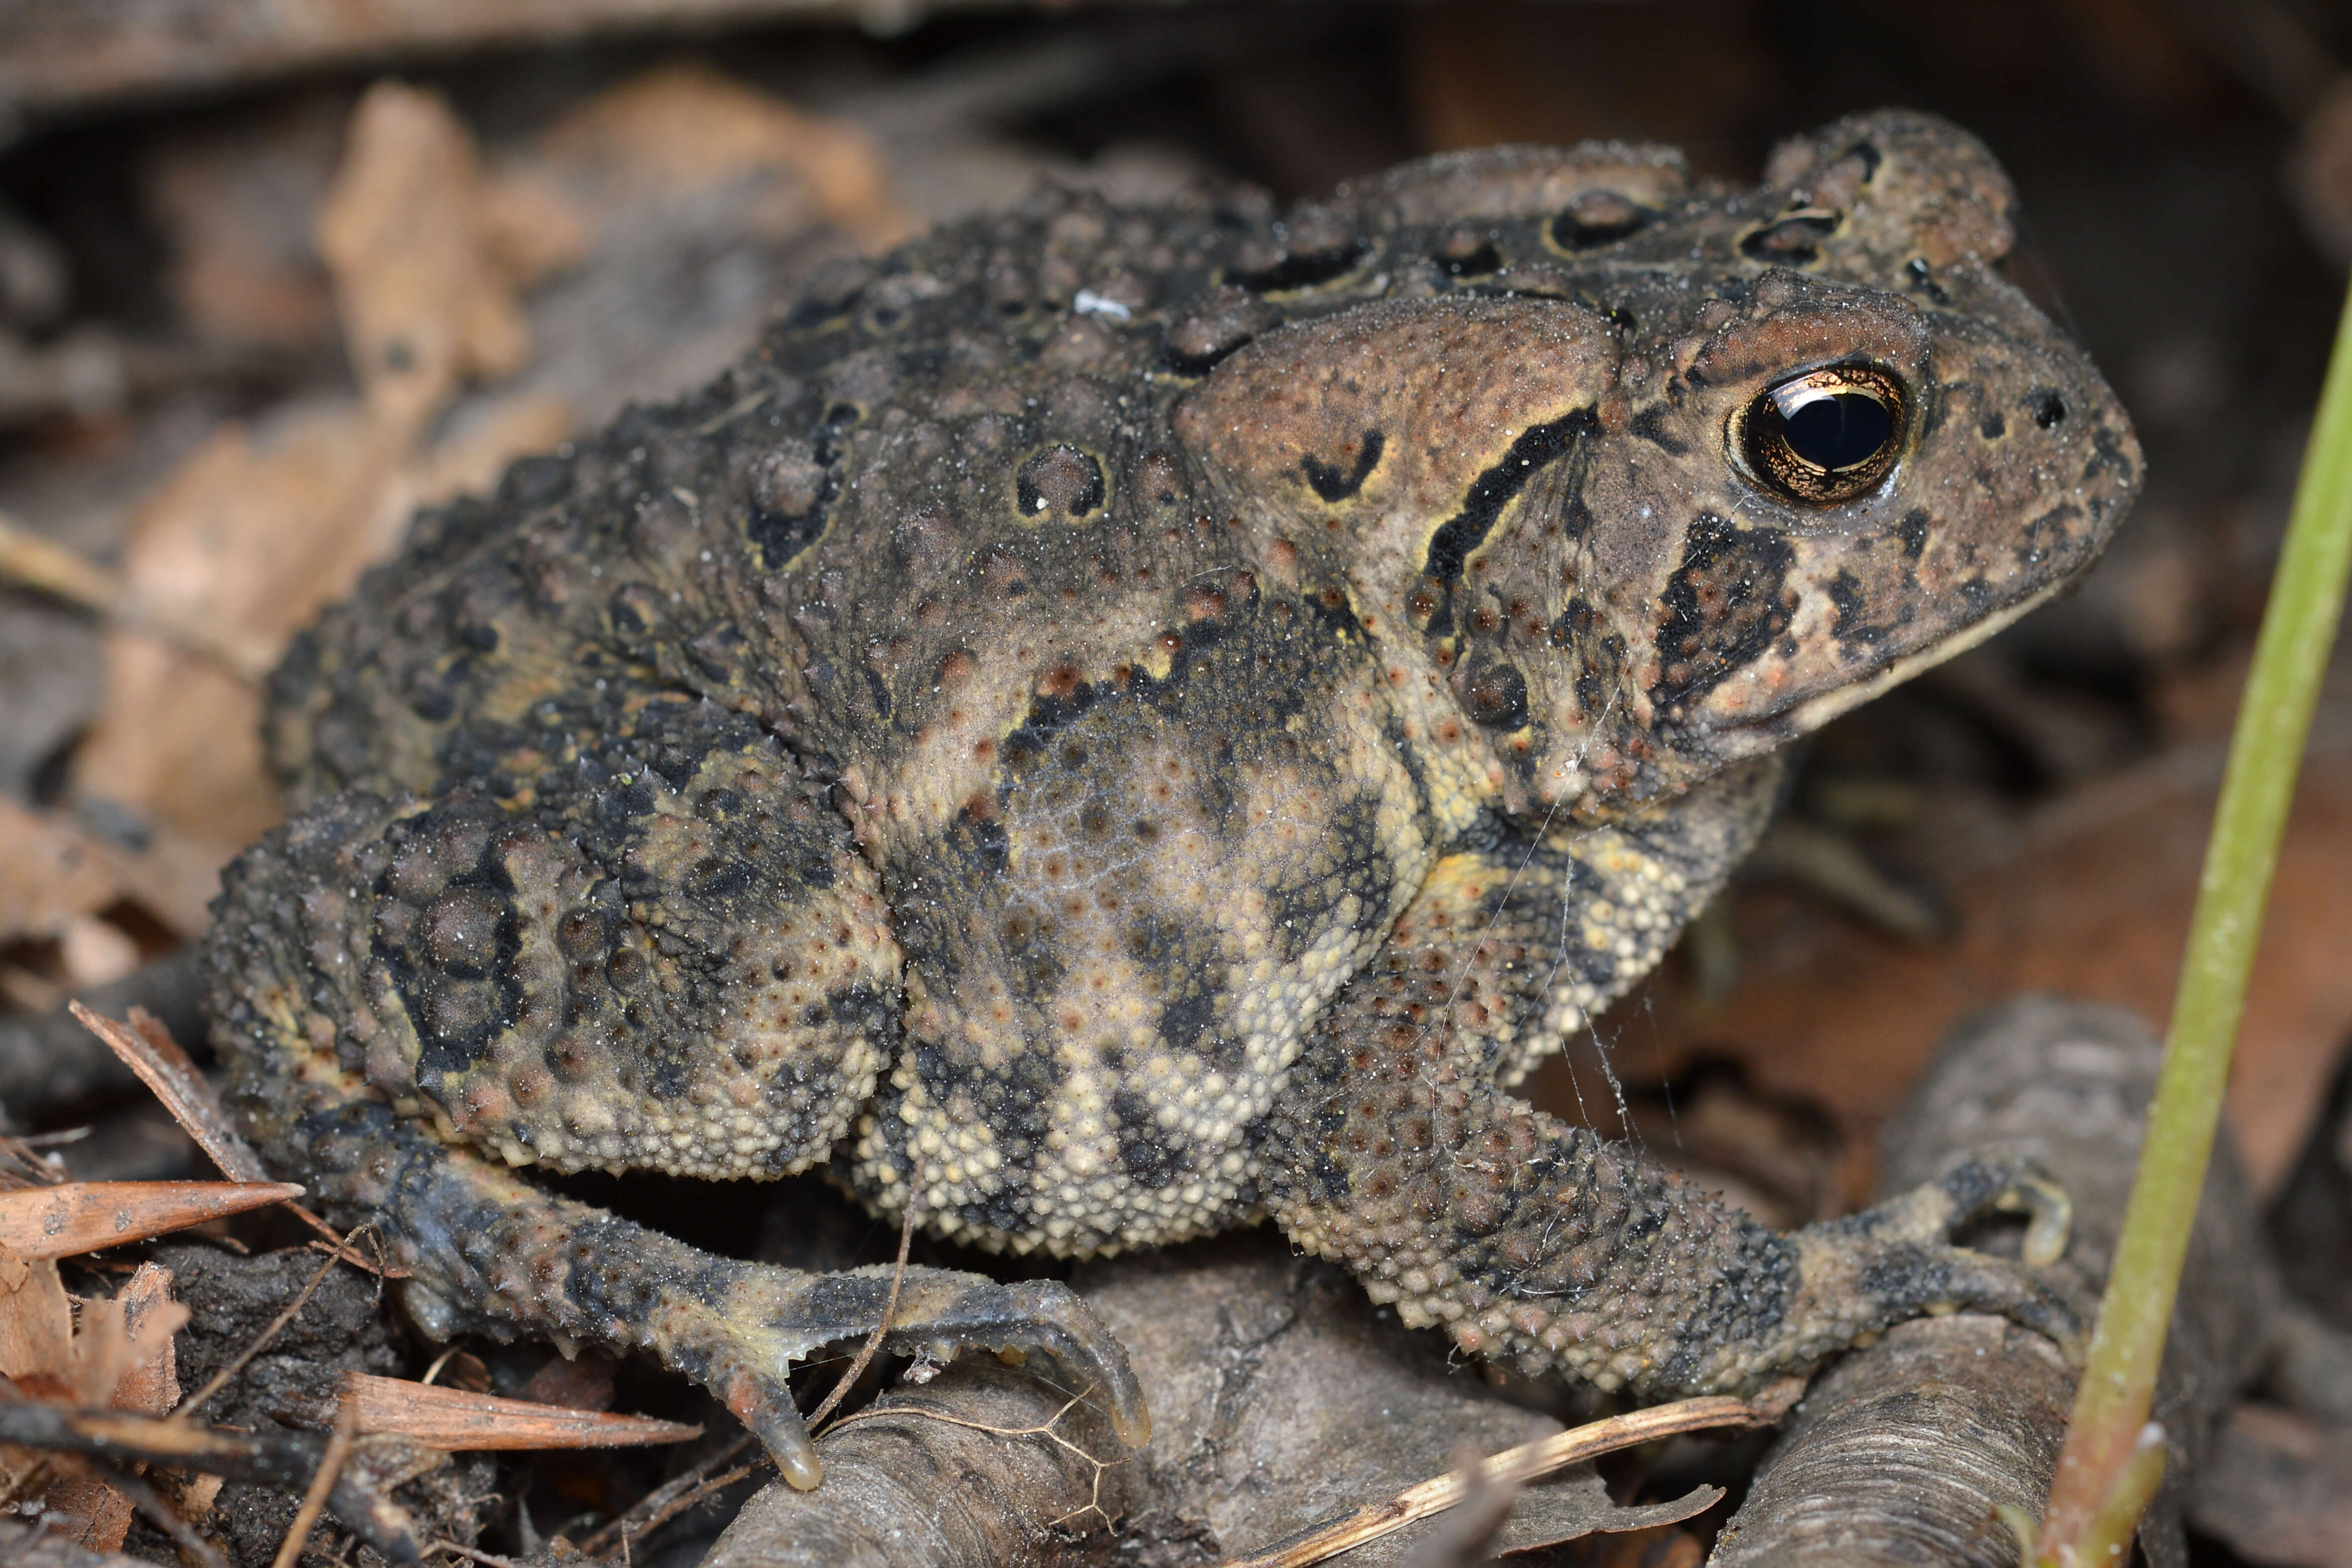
[1838,430]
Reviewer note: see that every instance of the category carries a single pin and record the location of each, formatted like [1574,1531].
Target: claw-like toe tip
[787,1442]
[1130,1417]
[801,1472]
[2053,1221]
[780,1431]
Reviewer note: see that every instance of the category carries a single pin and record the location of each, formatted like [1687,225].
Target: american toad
[1109,723]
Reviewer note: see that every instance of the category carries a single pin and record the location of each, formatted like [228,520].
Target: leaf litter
[497,332]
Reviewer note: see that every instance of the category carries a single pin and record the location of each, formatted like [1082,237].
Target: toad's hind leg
[666,957]
[1526,1239]
[492,1252]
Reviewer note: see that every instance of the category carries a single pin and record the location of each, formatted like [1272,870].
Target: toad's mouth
[1806,714]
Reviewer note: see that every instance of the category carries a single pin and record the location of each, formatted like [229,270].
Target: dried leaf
[2091,900]
[123,1359]
[532,228]
[123,1356]
[283,1460]
[2278,1488]
[424,302]
[252,535]
[453,1419]
[234,197]
[36,1545]
[82,1216]
[36,1318]
[690,127]
[50,872]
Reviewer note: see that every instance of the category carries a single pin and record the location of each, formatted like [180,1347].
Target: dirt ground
[266,287]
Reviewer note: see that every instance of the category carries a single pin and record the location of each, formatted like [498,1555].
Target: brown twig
[667,1500]
[330,1470]
[874,1341]
[148,1049]
[456,1420]
[76,1217]
[1512,1466]
[287,1460]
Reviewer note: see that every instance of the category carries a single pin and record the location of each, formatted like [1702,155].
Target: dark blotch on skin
[1469,255]
[1331,483]
[1497,695]
[1845,593]
[1913,531]
[1493,490]
[1724,607]
[1793,241]
[1143,1149]
[791,491]
[1923,279]
[1650,424]
[1299,269]
[1060,484]
[1596,219]
[1183,1021]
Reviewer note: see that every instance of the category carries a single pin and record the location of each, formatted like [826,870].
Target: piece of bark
[1901,1452]
[1279,1398]
[51,872]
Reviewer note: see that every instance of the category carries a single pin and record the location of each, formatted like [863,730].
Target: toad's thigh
[678,963]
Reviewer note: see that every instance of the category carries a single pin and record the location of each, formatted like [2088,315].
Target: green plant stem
[2089,1520]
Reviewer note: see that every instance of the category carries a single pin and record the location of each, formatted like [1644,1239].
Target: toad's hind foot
[770,1318]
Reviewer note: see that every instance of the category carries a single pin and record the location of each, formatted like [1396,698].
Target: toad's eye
[1824,436]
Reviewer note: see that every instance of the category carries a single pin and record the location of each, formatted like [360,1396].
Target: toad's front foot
[742,1347]
[1875,1268]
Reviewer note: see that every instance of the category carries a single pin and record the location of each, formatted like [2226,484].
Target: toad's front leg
[1398,1154]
